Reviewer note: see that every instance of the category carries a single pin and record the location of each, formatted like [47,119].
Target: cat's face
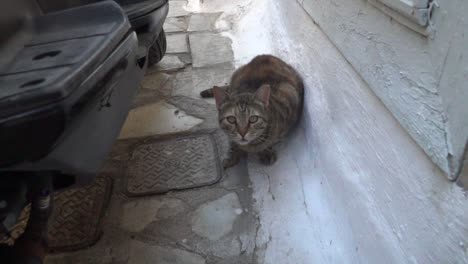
[244,118]
[243,121]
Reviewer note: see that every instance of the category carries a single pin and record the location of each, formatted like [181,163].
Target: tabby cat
[259,107]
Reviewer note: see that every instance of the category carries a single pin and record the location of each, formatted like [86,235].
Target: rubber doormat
[75,222]
[175,164]
[18,228]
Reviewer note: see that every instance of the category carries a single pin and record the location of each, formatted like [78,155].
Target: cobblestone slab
[210,49]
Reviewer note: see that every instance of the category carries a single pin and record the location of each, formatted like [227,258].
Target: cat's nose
[243,131]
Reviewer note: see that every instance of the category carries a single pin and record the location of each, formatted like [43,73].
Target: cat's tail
[208,93]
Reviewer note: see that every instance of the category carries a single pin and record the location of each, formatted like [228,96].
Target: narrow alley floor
[349,186]
[211,220]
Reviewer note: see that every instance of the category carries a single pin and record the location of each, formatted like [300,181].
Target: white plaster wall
[453,85]
[405,69]
[350,185]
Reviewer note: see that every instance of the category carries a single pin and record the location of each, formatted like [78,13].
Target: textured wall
[350,185]
[453,85]
[409,72]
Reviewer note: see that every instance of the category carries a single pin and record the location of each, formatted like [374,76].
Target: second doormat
[173,164]
[75,222]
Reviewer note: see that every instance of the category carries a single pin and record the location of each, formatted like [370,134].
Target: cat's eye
[231,119]
[253,119]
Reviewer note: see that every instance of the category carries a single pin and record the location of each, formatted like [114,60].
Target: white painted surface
[350,185]
[453,84]
[406,69]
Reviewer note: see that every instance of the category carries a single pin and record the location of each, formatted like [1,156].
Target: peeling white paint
[406,69]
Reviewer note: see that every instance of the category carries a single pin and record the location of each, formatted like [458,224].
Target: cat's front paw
[267,157]
[230,162]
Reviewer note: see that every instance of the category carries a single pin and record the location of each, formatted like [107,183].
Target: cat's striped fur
[259,107]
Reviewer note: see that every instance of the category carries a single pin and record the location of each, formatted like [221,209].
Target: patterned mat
[174,164]
[75,222]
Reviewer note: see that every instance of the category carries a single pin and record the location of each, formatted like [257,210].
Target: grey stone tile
[146,96]
[204,109]
[157,119]
[224,248]
[141,253]
[192,81]
[185,58]
[156,81]
[138,214]
[203,22]
[238,242]
[177,43]
[155,86]
[175,24]
[215,219]
[176,9]
[168,63]
[210,49]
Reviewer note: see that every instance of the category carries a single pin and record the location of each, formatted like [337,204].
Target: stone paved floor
[215,224]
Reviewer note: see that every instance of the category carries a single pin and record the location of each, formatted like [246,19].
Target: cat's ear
[263,94]
[220,95]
